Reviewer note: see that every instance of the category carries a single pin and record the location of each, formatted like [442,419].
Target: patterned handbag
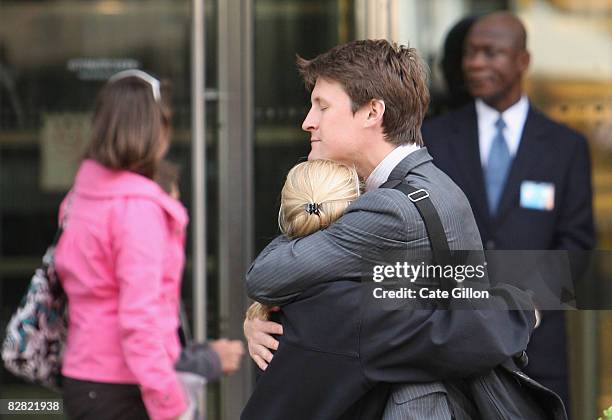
[36,333]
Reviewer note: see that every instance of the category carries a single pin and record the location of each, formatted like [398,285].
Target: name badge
[537,195]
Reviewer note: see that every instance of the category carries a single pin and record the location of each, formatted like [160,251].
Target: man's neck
[381,173]
[370,160]
[503,103]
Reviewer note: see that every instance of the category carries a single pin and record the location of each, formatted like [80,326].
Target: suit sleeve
[285,268]
[432,345]
[575,230]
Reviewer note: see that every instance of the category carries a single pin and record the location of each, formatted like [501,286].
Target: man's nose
[309,122]
[473,61]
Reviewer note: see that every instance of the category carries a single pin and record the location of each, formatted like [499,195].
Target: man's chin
[487,94]
[478,92]
[314,155]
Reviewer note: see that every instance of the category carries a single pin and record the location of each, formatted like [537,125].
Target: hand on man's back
[260,341]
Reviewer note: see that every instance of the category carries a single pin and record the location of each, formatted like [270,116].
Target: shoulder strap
[64,222]
[439,243]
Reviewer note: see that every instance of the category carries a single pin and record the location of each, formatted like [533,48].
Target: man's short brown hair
[130,129]
[377,69]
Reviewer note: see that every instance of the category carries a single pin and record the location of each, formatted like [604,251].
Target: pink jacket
[120,260]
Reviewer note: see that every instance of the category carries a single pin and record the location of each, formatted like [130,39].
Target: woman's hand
[230,353]
[260,341]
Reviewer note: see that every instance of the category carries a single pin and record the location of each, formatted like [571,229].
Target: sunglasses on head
[152,81]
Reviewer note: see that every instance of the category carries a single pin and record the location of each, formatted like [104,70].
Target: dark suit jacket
[339,348]
[548,152]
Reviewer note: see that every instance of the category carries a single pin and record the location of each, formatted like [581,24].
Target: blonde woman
[317,193]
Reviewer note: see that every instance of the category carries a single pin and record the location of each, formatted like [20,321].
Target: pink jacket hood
[97,181]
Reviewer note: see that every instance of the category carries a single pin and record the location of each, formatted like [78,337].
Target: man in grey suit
[368,101]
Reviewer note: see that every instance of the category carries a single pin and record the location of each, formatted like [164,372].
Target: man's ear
[375,111]
[523,59]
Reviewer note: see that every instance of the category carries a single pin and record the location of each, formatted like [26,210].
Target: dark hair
[130,130]
[457,92]
[377,69]
[167,176]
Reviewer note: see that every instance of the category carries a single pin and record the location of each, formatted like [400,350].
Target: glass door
[282,30]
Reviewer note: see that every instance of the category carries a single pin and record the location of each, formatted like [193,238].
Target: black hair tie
[312,208]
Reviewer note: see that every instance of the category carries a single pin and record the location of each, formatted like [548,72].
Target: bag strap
[439,244]
[64,222]
[57,291]
[437,237]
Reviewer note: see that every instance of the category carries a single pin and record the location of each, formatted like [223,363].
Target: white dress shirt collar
[514,117]
[381,173]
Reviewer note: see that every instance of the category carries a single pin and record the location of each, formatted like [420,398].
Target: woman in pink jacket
[120,261]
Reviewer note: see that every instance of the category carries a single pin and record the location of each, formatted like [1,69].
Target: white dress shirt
[381,173]
[514,117]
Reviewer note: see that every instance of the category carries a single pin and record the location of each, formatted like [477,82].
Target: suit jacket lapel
[531,149]
[467,154]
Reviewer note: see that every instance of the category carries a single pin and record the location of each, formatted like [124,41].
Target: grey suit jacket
[380,223]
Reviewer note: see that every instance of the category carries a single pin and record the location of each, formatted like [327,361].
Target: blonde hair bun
[315,194]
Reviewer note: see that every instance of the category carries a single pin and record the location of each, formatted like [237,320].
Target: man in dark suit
[528,178]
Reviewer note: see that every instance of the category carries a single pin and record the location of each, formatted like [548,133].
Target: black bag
[505,392]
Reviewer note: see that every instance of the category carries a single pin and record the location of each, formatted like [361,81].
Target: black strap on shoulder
[439,243]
